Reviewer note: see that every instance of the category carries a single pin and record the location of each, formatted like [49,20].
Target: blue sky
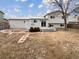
[26,8]
[23,7]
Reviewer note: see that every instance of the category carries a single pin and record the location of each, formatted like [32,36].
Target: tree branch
[60,5]
[67,7]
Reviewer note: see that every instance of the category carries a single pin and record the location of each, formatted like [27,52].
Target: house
[3,22]
[27,23]
[55,19]
[1,15]
[78,19]
[75,22]
[49,22]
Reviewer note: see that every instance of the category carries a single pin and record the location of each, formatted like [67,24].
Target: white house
[49,22]
[27,23]
[55,19]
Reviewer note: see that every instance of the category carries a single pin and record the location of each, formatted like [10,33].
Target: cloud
[17,10]
[46,2]
[48,11]
[31,5]
[21,0]
[40,6]
[40,14]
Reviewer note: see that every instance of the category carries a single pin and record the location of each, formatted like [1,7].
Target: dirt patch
[41,45]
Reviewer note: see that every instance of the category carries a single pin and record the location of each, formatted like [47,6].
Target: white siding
[24,23]
[16,24]
[27,24]
[37,24]
[57,19]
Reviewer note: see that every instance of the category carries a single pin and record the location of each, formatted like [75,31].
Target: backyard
[40,45]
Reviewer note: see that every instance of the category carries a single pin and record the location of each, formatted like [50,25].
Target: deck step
[48,30]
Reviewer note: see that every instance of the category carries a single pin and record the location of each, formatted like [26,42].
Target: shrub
[36,29]
[31,29]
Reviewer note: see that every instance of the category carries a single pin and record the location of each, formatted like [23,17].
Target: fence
[4,25]
[74,25]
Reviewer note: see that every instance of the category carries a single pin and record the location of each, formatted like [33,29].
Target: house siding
[16,24]
[27,23]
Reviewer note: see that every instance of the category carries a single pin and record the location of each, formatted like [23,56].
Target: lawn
[41,45]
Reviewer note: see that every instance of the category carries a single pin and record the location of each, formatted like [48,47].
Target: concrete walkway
[23,38]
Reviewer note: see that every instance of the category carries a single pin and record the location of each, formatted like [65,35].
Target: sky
[13,8]
[24,8]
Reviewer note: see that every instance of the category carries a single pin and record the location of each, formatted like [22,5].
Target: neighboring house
[75,22]
[3,22]
[78,19]
[49,22]
[1,15]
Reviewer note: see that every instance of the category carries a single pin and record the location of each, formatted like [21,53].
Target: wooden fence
[74,25]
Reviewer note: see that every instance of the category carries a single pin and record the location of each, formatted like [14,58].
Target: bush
[31,29]
[36,29]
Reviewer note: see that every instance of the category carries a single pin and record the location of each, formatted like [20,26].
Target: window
[35,21]
[43,23]
[24,21]
[61,25]
[52,17]
[50,25]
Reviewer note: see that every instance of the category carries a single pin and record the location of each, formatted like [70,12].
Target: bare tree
[64,6]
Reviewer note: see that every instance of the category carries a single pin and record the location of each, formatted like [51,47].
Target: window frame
[50,25]
[52,17]
[61,25]
[35,21]
[24,21]
[43,23]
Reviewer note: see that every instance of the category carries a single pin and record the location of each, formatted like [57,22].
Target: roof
[27,18]
[2,12]
[54,12]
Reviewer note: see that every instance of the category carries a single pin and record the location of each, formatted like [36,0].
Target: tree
[63,5]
